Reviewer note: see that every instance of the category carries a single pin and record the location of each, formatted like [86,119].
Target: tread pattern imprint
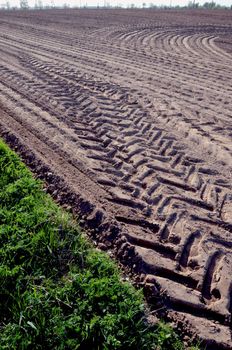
[140,103]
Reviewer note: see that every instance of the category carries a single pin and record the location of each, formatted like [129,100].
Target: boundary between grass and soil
[57,291]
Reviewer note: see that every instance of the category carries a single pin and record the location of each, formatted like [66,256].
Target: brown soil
[127,115]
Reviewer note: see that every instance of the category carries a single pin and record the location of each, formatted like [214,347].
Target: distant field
[127,115]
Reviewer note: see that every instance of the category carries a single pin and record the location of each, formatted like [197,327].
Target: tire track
[142,114]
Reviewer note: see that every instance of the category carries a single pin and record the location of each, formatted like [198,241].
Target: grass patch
[56,290]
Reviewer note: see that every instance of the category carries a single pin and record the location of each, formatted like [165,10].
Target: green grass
[56,290]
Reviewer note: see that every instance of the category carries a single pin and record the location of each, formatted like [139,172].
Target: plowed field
[127,114]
